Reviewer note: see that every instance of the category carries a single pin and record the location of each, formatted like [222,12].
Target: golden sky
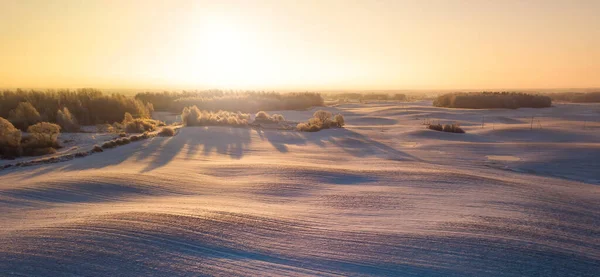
[300,45]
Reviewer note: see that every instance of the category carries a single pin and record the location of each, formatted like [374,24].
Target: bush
[304,127]
[82,154]
[167,132]
[10,139]
[492,100]
[66,121]
[118,127]
[123,141]
[315,122]
[140,125]
[105,128]
[43,134]
[24,115]
[97,149]
[321,120]
[436,127]
[192,116]
[323,116]
[109,144]
[263,117]
[453,128]
[278,117]
[449,128]
[338,119]
[127,117]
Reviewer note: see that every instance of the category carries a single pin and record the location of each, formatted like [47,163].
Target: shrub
[82,154]
[117,127]
[453,128]
[127,117]
[167,132]
[321,120]
[262,116]
[105,128]
[492,100]
[97,149]
[305,127]
[122,134]
[192,116]
[134,138]
[66,121]
[43,134]
[302,127]
[140,125]
[449,128]
[109,144]
[436,127]
[24,115]
[338,119]
[278,117]
[10,139]
[315,122]
[323,116]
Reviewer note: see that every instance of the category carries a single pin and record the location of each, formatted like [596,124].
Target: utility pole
[531,128]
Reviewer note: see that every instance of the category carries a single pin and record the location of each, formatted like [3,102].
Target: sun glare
[222,54]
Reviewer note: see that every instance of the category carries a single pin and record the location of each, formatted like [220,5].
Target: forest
[492,100]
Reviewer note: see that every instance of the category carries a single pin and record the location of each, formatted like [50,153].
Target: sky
[299,45]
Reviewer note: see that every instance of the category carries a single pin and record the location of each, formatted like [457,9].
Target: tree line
[576,97]
[492,100]
[68,108]
[216,100]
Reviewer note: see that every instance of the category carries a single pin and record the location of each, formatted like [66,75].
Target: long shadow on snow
[227,141]
[351,142]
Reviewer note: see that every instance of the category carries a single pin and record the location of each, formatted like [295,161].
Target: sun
[222,54]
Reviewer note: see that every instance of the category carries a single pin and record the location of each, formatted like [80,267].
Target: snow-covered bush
[66,121]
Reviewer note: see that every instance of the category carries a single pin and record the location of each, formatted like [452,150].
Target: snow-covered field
[384,197]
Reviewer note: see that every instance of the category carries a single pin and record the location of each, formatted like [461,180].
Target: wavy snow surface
[383,197]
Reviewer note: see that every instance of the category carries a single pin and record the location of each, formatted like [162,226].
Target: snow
[382,197]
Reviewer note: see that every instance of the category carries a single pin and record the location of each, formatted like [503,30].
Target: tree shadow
[222,140]
[353,143]
[233,142]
